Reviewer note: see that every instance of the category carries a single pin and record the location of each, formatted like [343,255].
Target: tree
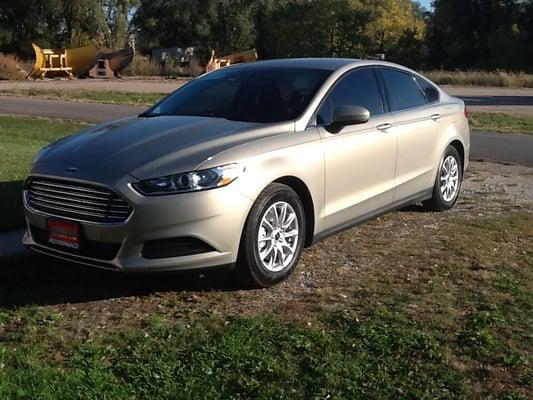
[118,16]
[83,22]
[394,25]
[162,23]
[24,21]
[313,28]
[233,27]
[475,34]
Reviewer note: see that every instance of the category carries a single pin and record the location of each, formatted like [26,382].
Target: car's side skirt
[396,205]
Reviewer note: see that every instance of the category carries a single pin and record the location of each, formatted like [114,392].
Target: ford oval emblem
[71,170]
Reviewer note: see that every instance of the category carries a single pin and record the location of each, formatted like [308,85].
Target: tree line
[456,34]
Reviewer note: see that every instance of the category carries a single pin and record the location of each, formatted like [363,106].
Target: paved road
[86,112]
[502,147]
[504,100]
[508,100]
[516,149]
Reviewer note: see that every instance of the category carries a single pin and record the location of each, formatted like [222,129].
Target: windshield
[254,95]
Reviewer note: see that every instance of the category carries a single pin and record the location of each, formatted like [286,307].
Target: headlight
[189,181]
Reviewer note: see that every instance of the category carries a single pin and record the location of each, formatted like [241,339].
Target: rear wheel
[448,182]
[273,237]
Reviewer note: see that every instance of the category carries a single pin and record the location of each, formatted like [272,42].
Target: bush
[143,66]
[11,67]
[481,78]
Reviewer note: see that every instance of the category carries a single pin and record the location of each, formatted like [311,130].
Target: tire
[256,266]
[447,183]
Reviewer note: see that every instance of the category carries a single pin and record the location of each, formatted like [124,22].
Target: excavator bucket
[72,62]
[81,59]
[39,62]
[237,58]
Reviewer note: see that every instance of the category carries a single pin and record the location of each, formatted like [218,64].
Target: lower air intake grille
[79,201]
[175,247]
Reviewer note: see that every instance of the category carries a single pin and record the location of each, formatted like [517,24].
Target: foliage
[63,23]
[464,34]
[487,34]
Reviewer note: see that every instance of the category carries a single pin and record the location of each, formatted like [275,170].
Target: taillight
[467,112]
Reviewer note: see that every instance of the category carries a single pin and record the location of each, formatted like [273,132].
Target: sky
[425,3]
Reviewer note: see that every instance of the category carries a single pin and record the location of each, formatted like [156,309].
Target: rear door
[418,126]
[360,160]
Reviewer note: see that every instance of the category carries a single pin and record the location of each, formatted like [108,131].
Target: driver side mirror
[348,115]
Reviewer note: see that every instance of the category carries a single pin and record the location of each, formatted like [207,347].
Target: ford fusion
[246,166]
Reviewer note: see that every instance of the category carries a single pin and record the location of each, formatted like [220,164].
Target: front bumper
[215,217]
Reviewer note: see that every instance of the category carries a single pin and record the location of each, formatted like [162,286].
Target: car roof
[331,64]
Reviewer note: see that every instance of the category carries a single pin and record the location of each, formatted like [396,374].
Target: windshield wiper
[147,114]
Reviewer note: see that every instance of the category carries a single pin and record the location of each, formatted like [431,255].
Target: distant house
[182,55]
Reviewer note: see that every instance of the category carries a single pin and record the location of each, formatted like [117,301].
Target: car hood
[150,147]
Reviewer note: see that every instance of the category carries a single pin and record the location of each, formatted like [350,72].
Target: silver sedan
[246,166]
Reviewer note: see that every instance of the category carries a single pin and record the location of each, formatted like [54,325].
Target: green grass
[20,140]
[260,358]
[90,96]
[503,123]
[459,330]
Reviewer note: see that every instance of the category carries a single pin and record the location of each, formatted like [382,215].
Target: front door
[360,160]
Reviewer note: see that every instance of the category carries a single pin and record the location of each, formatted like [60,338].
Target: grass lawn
[504,123]
[20,139]
[90,96]
[459,328]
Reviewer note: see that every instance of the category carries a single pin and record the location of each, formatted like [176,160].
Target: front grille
[88,248]
[79,201]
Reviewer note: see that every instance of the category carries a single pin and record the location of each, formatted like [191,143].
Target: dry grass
[481,78]
[145,66]
[11,67]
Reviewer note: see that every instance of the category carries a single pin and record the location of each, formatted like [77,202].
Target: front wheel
[448,182]
[273,237]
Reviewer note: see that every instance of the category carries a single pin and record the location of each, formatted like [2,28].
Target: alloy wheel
[277,240]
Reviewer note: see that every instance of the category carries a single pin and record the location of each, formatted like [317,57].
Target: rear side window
[357,88]
[430,91]
[403,90]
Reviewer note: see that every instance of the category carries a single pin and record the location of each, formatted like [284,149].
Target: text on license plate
[64,233]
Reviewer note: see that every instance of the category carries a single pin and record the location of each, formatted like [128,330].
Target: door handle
[383,127]
[435,117]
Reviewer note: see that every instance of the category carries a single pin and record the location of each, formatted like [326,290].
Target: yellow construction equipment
[237,58]
[70,62]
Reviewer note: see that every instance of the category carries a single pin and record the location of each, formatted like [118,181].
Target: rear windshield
[241,94]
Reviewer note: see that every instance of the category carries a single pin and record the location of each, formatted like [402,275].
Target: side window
[430,91]
[357,88]
[403,90]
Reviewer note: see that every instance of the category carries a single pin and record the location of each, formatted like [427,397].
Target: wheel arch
[304,194]
[458,145]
